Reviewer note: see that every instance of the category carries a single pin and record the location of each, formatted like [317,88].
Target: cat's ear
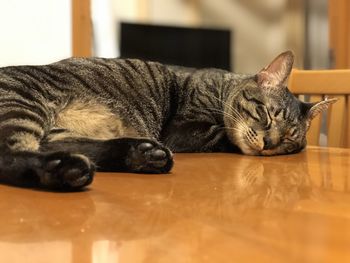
[277,72]
[318,107]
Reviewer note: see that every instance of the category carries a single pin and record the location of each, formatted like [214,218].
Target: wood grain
[331,83]
[336,126]
[339,32]
[313,135]
[210,208]
[81,28]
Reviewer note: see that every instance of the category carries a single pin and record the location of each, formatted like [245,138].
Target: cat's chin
[260,153]
[248,150]
[238,141]
[269,152]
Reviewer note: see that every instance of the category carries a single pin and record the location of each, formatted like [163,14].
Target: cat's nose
[268,144]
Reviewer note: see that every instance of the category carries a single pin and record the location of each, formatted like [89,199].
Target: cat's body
[60,120]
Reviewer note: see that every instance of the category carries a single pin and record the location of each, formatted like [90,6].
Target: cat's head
[264,118]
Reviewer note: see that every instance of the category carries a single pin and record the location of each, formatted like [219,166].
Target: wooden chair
[318,84]
[81,28]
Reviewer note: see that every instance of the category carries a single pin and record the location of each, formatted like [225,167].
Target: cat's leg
[140,155]
[55,170]
[22,163]
[195,137]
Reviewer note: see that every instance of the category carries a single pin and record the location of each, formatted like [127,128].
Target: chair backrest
[321,83]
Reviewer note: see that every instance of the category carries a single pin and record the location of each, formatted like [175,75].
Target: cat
[60,122]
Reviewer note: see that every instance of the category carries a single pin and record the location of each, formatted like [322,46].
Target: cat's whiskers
[229,128]
[229,106]
[237,118]
[241,129]
[230,116]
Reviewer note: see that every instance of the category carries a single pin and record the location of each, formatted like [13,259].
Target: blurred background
[241,35]
[259,29]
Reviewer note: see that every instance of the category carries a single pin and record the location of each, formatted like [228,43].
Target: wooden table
[211,208]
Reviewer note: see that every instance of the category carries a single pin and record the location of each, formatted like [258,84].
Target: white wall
[35,31]
[106,14]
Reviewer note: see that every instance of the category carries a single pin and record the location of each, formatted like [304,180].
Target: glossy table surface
[211,208]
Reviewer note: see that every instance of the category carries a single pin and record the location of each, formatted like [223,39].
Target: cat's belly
[89,119]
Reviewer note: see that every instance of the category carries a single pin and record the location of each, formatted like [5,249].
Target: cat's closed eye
[260,110]
[293,132]
[277,112]
[265,117]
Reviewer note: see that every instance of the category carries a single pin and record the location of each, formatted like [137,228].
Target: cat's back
[139,92]
[89,70]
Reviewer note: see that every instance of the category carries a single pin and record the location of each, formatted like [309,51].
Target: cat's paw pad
[149,157]
[66,171]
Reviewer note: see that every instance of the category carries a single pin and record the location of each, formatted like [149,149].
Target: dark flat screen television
[190,47]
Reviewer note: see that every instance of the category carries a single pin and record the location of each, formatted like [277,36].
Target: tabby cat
[60,122]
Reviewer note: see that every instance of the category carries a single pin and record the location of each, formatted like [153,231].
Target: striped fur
[59,121]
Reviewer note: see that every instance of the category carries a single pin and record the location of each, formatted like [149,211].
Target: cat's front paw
[149,156]
[65,171]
